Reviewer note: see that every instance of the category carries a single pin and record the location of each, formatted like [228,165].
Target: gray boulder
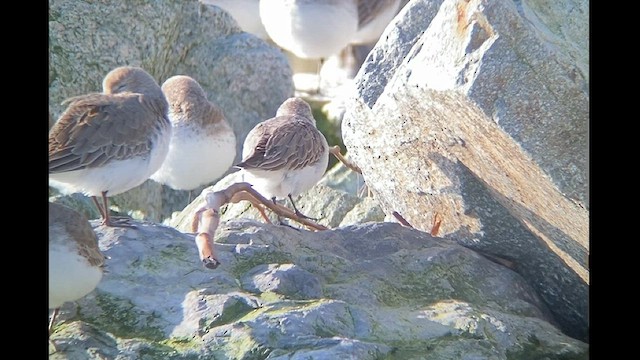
[285,279]
[478,113]
[366,291]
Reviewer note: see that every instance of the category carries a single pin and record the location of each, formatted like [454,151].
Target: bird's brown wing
[63,218]
[98,128]
[282,142]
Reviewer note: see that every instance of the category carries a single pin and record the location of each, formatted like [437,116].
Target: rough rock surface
[365,291]
[368,289]
[478,112]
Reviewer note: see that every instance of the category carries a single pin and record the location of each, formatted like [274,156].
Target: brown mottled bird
[285,155]
[107,143]
[203,144]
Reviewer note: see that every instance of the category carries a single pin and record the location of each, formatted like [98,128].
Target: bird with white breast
[106,143]
[317,29]
[286,155]
[310,29]
[76,264]
[203,144]
[325,32]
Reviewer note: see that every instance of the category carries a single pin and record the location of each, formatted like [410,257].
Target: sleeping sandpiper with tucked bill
[107,143]
[286,155]
[203,144]
[75,261]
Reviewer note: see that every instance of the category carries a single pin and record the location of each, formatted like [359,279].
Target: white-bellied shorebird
[203,144]
[285,155]
[107,143]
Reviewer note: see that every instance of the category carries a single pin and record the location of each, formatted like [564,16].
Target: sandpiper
[318,29]
[323,34]
[310,29]
[285,155]
[107,143]
[75,260]
[203,144]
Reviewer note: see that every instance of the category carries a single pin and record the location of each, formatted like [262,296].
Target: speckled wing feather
[368,9]
[283,142]
[96,129]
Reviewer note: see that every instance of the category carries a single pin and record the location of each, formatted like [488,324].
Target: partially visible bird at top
[106,143]
[331,33]
[310,29]
[286,155]
[317,29]
[203,144]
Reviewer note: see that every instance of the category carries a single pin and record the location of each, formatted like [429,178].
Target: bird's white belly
[70,276]
[116,177]
[281,183]
[310,30]
[195,159]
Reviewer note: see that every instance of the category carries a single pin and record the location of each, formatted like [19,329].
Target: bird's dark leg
[100,209]
[319,78]
[298,212]
[278,215]
[280,219]
[117,221]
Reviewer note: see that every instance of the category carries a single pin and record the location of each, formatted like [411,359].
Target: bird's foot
[282,222]
[210,262]
[303,216]
[118,221]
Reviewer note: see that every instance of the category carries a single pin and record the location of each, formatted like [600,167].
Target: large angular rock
[245,76]
[373,290]
[478,112]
